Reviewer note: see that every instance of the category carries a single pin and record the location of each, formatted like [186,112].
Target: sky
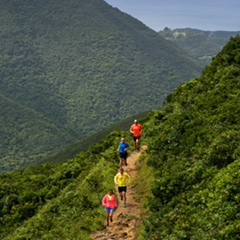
[207,15]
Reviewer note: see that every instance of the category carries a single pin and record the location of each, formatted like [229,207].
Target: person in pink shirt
[110,203]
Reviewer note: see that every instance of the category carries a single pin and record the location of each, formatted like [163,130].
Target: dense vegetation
[58,201]
[203,45]
[27,136]
[81,65]
[31,139]
[193,155]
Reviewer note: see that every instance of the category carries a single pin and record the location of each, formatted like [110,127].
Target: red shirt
[136,129]
[109,201]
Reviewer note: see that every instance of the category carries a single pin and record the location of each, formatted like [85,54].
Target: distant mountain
[83,65]
[203,45]
[27,137]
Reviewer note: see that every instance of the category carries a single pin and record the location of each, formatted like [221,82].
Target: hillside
[27,136]
[71,151]
[202,45]
[195,155]
[84,65]
[188,183]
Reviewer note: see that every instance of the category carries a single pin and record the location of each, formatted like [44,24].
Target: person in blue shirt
[122,149]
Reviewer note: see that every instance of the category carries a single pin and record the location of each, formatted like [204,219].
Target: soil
[126,220]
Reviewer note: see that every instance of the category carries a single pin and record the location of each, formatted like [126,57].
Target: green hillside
[57,201]
[194,152]
[26,136]
[193,158]
[83,145]
[202,45]
[84,65]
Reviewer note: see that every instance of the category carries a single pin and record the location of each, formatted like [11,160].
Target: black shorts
[122,189]
[123,155]
[135,138]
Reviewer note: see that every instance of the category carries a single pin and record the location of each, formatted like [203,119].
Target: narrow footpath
[125,220]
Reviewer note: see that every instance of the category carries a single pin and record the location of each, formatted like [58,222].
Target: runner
[122,179]
[122,149]
[110,203]
[136,129]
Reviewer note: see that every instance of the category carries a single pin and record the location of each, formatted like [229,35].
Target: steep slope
[58,201]
[195,155]
[27,137]
[84,64]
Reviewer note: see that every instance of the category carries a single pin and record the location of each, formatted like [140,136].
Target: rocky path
[125,220]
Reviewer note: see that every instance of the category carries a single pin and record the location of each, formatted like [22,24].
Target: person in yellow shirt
[122,179]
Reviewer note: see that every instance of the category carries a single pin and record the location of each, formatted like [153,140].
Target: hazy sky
[199,14]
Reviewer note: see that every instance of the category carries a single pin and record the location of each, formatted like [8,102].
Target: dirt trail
[125,220]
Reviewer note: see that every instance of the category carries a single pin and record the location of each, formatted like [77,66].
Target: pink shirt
[109,201]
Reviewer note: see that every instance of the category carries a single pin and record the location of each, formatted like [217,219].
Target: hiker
[122,149]
[122,179]
[110,203]
[136,129]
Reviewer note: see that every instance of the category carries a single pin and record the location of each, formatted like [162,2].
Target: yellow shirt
[122,179]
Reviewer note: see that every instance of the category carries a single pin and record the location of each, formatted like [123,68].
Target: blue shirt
[122,146]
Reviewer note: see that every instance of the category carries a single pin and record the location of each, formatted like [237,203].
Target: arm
[115,179]
[115,201]
[104,201]
[128,178]
[131,131]
[127,147]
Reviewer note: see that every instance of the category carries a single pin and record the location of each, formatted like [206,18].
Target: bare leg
[111,217]
[121,162]
[124,198]
[108,219]
[138,144]
[121,196]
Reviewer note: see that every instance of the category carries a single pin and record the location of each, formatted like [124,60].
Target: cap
[135,120]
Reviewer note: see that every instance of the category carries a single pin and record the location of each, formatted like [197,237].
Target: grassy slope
[58,201]
[194,150]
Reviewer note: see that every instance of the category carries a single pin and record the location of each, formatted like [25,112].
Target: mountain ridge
[200,44]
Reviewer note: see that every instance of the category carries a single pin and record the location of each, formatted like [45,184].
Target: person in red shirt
[136,129]
[110,203]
